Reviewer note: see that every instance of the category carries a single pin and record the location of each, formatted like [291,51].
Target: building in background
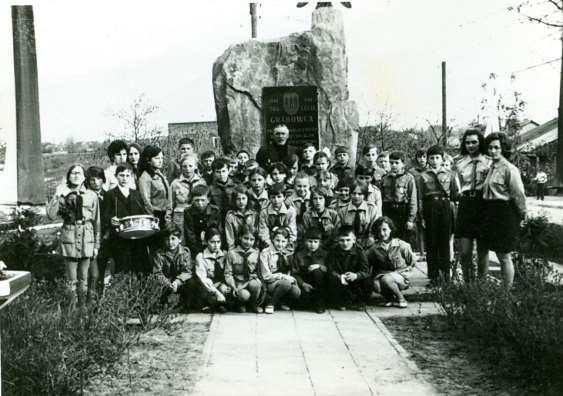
[203,133]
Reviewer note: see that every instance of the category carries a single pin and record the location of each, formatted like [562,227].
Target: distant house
[538,136]
[204,134]
[527,125]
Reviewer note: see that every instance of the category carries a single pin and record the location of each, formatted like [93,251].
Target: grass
[51,347]
[454,365]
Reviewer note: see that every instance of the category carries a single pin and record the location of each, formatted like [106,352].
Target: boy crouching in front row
[241,271]
[309,270]
[172,265]
[348,272]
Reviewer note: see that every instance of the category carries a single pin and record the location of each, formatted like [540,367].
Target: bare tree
[136,119]
[546,12]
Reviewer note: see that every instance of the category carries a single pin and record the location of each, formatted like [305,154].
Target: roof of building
[538,132]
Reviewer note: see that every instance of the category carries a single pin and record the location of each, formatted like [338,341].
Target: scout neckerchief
[437,181]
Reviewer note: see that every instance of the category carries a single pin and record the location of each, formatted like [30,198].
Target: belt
[436,198]
[395,204]
[472,193]
[80,222]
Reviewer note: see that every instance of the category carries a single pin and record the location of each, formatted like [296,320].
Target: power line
[534,66]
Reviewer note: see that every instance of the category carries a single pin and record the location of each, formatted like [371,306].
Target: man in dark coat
[277,150]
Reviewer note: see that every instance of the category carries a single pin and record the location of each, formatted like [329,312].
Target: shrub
[22,249]
[522,328]
[541,238]
[48,347]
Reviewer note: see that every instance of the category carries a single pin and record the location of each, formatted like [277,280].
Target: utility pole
[559,160]
[253,19]
[444,123]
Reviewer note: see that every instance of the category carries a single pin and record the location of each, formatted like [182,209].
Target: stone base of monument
[12,285]
[15,283]
[7,211]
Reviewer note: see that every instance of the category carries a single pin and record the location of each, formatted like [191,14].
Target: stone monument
[315,58]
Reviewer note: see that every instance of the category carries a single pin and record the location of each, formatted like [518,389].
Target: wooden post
[444,122]
[559,161]
[253,20]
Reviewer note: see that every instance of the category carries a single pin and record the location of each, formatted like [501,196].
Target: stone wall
[316,57]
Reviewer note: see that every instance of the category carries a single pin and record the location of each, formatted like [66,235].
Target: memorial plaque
[296,107]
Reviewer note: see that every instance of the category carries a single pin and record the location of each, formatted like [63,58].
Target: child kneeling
[172,265]
[391,259]
[281,287]
[210,271]
[240,271]
[348,271]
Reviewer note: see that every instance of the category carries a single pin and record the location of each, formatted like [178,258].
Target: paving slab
[304,353]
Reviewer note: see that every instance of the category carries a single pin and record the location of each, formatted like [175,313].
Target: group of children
[312,231]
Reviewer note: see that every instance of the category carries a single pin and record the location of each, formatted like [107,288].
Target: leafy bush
[48,347]
[541,238]
[522,328]
[22,248]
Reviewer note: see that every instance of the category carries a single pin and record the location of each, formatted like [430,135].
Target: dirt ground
[454,366]
[161,364]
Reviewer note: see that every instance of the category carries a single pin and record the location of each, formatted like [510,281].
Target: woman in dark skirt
[505,204]
[472,170]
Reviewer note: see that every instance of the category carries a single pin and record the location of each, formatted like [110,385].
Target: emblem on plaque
[291,103]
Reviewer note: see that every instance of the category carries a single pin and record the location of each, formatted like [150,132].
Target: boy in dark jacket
[172,265]
[198,217]
[221,190]
[309,270]
[348,271]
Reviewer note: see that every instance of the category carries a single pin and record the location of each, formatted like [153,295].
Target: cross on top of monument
[321,4]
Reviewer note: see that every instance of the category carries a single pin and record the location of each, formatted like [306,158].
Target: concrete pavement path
[303,353]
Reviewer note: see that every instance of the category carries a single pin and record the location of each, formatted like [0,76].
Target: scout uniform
[174,266]
[327,222]
[471,173]
[220,194]
[301,205]
[258,202]
[436,190]
[505,206]
[181,189]
[210,271]
[390,262]
[339,262]
[310,267]
[270,218]
[197,222]
[235,220]
[361,219]
[342,171]
[274,269]
[241,273]
[399,201]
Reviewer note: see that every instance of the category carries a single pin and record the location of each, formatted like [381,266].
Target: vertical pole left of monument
[30,180]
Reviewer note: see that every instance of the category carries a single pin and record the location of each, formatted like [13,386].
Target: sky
[94,58]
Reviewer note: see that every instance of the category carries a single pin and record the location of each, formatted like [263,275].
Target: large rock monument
[313,58]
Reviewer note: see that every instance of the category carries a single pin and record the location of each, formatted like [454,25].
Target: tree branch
[540,20]
[557,4]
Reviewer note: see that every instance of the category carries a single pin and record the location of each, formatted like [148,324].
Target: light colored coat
[78,240]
